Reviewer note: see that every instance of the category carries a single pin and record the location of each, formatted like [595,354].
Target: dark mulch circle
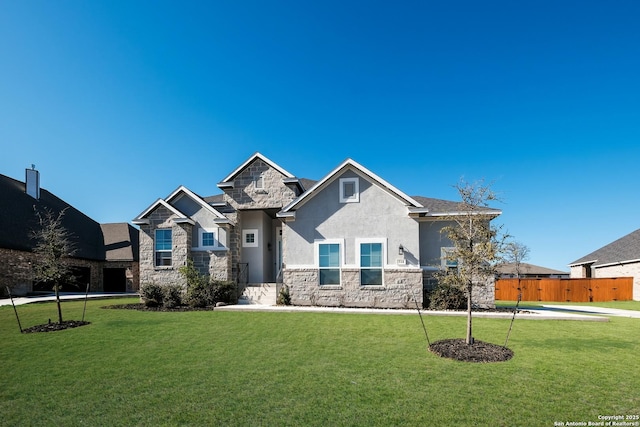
[479,351]
[52,327]
[142,307]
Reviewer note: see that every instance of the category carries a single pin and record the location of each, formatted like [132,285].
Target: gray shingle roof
[438,206]
[18,221]
[529,269]
[626,248]
[121,241]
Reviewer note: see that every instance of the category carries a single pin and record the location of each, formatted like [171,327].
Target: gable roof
[121,241]
[529,269]
[141,219]
[175,194]
[18,220]
[199,200]
[348,164]
[255,156]
[625,249]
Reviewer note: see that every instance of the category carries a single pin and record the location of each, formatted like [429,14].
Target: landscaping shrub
[284,297]
[172,296]
[224,291]
[152,295]
[447,297]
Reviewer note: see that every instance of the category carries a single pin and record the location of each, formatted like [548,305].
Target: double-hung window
[329,263]
[163,247]
[371,264]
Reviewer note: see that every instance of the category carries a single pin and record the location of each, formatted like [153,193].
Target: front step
[259,293]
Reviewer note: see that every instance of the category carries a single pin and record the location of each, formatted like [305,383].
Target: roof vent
[32,181]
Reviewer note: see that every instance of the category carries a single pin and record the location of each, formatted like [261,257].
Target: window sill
[212,249]
[373,287]
[163,267]
[331,287]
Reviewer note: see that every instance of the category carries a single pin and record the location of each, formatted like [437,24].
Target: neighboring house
[620,258]
[105,254]
[530,271]
[350,239]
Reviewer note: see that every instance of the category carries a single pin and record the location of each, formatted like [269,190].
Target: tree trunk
[57,288]
[469,329]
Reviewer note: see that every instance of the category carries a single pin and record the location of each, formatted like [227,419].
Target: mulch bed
[479,351]
[52,327]
[142,307]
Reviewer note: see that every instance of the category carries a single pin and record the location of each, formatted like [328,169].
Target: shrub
[284,297]
[152,295]
[225,291]
[172,296]
[200,295]
[447,297]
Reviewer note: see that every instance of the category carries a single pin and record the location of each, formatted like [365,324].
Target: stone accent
[181,240]
[16,272]
[274,194]
[216,264]
[484,294]
[401,286]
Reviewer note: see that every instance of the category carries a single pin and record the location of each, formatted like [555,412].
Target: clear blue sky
[118,103]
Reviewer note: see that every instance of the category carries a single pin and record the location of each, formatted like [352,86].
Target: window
[329,263]
[208,238]
[163,247]
[250,238]
[447,258]
[371,264]
[349,190]
[258,183]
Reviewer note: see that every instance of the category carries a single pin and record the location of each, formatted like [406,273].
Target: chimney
[32,181]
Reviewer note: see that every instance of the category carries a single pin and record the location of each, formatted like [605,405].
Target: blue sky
[118,103]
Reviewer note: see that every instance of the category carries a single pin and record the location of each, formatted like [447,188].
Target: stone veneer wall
[400,289]
[181,240]
[274,195]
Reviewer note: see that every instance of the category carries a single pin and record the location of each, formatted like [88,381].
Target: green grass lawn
[251,368]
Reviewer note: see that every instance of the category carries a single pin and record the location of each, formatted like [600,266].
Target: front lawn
[249,368]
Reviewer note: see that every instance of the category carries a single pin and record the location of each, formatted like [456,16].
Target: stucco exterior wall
[432,240]
[377,215]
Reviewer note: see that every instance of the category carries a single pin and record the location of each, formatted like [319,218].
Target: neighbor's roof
[624,249]
[121,241]
[18,220]
[530,269]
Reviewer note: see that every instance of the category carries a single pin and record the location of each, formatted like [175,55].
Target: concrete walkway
[547,312]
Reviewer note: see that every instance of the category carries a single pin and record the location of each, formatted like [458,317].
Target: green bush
[152,295]
[172,296]
[284,297]
[225,291]
[447,297]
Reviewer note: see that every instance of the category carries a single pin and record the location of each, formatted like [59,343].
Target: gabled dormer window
[349,190]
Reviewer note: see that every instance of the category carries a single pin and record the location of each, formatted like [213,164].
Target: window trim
[258,182]
[341,254]
[356,190]
[383,263]
[217,242]
[157,251]
[245,233]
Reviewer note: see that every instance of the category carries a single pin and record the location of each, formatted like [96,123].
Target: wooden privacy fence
[563,290]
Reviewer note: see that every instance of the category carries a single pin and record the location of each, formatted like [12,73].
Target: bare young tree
[54,246]
[476,243]
[515,253]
